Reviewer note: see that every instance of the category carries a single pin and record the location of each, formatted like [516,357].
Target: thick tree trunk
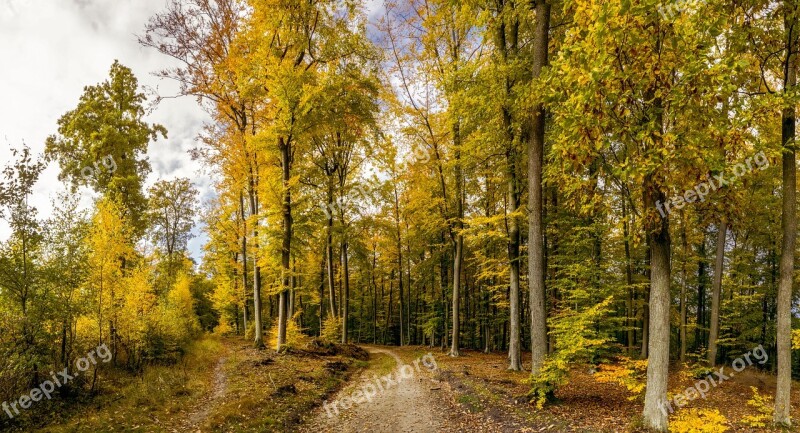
[657,226]
[788,225]
[716,289]
[658,345]
[536,224]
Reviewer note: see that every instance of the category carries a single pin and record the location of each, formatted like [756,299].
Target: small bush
[630,373]
[294,335]
[577,340]
[764,405]
[699,421]
[332,329]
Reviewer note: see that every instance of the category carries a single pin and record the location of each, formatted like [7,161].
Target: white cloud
[52,49]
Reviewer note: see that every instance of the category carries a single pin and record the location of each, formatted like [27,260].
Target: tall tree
[788,215]
[103,141]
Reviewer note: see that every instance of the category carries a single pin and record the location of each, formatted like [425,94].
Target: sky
[51,49]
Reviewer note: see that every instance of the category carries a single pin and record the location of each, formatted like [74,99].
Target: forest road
[402,402]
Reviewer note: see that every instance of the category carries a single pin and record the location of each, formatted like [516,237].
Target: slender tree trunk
[458,253]
[536,224]
[716,289]
[399,244]
[346,288]
[322,296]
[244,258]
[701,292]
[684,284]
[334,310]
[631,318]
[257,323]
[286,154]
[454,347]
[789,226]
[515,346]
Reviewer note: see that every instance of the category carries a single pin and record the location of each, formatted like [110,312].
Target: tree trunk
[458,253]
[654,415]
[257,324]
[631,318]
[346,288]
[536,224]
[244,259]
[788,226]
[716,289]
[515,349]
[286,154]
[701,292]
[334,310]
[684,284]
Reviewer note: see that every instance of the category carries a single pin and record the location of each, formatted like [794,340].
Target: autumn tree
[102,143]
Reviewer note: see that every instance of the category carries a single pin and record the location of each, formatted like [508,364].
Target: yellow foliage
[332,329]
[224,328]
[795,338]
[294,335]
[139,303]
[699,421]
[630,373]
[763,405]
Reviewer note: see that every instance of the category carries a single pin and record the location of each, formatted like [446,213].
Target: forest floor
[221,385]
[480,384]
[224,385]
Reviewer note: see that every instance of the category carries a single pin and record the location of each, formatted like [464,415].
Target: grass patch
[145,403]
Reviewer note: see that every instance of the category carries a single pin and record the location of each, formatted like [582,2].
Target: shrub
[332,329]
[630,373]
[577,340]
[294,335]
[699,421]
[764,405]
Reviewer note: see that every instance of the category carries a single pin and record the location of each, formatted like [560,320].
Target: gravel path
[405,403]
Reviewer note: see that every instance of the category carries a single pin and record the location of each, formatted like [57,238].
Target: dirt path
[405,406]
[203,408]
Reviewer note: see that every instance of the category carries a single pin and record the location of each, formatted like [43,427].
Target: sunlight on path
[405,407]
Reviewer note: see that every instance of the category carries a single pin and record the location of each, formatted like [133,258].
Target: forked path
[406,406]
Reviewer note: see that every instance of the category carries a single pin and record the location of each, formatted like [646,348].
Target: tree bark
[244,258]
[716,289]
[684,284]
[657,226]
[536,224]
[285,148]
[258,331]
[458,250]
[788,225]
[346,289]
